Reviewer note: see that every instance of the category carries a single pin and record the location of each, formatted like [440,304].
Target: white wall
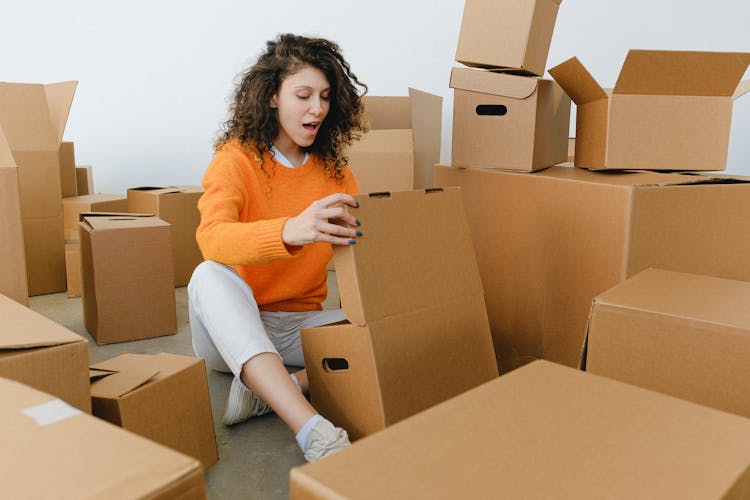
[155,75]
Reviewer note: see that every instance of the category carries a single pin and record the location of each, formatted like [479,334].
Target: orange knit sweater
[242,213]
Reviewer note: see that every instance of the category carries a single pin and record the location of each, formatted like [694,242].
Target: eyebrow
[308,87]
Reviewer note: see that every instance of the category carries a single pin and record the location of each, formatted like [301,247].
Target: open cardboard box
[508,122]
[544,431]
[669,110]
[418,331]
[51,450]
[681,334]
[548,242]
[13,280]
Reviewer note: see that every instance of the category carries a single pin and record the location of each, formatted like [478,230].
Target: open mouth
[311,127]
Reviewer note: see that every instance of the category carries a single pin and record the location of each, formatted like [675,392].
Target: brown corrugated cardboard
[508,122]
[403,144]
[33,118]
[51,450]
[513,34]
[85,180]
[417,331]
[177,205]
[127,276]
[76,205]
[13,281]
[38,352]
[548,242]
[73,268]
[68,180]
[544,431]
[669,110]
[163,397]
[685,335]
[571,149]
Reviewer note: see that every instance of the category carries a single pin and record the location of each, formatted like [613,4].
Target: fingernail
[356,204]
[359,233]
[352,242]
[358,223]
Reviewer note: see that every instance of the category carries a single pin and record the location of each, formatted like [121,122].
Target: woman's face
[302,103]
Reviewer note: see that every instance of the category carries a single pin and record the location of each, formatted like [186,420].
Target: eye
[325,97]
[303,96]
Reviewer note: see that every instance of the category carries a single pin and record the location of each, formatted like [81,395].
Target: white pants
[228,329]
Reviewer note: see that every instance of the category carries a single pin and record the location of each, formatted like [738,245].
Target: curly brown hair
[256,124]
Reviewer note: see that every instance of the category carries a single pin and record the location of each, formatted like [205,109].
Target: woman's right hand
[315,223]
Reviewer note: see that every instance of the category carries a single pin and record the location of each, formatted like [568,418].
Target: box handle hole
[381,194]
[335,364]
[491,110]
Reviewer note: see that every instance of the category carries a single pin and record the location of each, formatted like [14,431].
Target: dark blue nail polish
[359,233]
[356,204]
[352,242]
[358,223]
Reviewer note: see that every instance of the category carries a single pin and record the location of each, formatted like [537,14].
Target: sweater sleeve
[222,236]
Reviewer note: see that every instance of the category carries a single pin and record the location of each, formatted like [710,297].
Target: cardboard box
[544,431]
[74,206]
[669,110]
[13,281]
[163,397]
[73,268]
[403,144]
[685,335]
[547,243]
[512,34]
[51,450]
[177,205]
[571,149]
[128,278]
[85,180]
[32,118]
[38,352]
[68,178]
[508,122]
[418,331]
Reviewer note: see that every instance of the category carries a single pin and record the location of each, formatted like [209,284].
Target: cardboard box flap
[416,253]
[104,221]
[665,72]
[742,89]
[6,154]
[118,384]
[25,117]
[159,190]
[577,82]
[22,328]
[488,82]
[59,99]
[387,112]
[426,119]
[639,177]
[391,140]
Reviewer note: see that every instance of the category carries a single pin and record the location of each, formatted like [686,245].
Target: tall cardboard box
[403,144]
[51,450]
[85,180]
[38,352]
[418,331]
[548,242]
[13,281]
[177,205]
[68,179]
[163,397]
[508,122]
[686,335]
[32,118]
[128,277]
[544,431]
[513,34]
[669,110]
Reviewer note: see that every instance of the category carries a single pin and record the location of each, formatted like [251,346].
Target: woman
[275,201]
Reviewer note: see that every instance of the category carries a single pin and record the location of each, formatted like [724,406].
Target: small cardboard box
[128,278]
[75,205]
[51,450]
[512,34]
[85,180]
[685,335]
[163,397]
[508,122]
[38,352]
[177,205]
[68,180]
[418,331]
[669,110]
[32,119]
[544,431]
[13,281]
[403,144]
[548,242]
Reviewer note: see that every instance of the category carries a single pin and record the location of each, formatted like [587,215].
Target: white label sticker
[51,412]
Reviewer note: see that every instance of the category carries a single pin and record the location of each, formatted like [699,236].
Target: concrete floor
[255,456]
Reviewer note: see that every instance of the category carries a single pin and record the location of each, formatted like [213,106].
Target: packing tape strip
[51,412]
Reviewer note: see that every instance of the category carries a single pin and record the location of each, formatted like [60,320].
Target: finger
[335,198]
[338,213]
[336,230]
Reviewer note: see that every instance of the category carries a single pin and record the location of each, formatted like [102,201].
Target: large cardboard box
[32,118]
[544,431]
[418,331]
[512,34]
[669,110]
[13,281]
[38,352]
[68,178]
[163,397]
[128,277]
[403,144]
[177,205]
[74,206]
[685,335]
[548,242]
[51,450]
[508,122]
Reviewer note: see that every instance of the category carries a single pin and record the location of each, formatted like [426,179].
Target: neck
[294,154]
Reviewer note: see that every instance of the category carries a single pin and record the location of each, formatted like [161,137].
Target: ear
[275,101]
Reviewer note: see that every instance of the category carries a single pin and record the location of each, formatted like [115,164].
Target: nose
[316,106]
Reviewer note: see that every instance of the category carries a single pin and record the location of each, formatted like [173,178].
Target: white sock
[305,430]
[296,382]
